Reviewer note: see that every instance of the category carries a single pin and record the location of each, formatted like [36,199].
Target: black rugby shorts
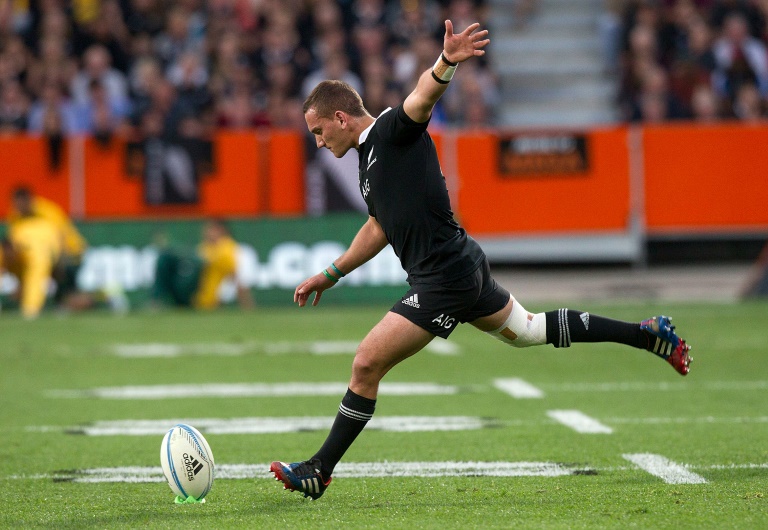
[438,308]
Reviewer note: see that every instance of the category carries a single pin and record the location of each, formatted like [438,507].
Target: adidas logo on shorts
[412,301]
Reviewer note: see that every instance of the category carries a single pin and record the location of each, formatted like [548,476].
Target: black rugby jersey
[404,188]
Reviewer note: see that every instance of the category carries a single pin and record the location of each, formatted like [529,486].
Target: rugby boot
[664,342]
[303,477]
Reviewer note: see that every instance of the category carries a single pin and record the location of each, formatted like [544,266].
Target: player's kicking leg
[517,327]
[392,340]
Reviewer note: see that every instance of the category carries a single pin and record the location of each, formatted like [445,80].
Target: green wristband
[330,277]
[337,271]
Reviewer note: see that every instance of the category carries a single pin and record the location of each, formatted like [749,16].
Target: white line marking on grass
[717,467]
[377,469]
[443,347]
[579,422]
[681,420]
[667,470]
[343,470]
[264,425]
[518,388]
[249,390]
[278,425]
[170,349]
[319,347]
[655,386]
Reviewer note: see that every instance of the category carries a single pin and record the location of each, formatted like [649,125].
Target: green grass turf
[730,343]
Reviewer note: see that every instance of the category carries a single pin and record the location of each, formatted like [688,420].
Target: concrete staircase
[552,69]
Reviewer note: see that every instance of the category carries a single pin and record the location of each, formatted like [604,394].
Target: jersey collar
[364,134]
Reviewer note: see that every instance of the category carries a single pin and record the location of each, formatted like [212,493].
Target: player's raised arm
[369,241]
[457,48]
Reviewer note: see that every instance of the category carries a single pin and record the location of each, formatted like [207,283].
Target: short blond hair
[329,96]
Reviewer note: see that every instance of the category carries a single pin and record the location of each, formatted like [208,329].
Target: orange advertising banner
[706,178]
[543,182]
[27,161]
[690,178]
[250,174]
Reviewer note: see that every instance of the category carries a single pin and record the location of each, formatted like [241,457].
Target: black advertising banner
[543,154]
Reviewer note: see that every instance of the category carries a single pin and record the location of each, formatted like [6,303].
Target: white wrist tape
[443,70]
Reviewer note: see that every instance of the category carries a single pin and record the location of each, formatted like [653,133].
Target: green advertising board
[275,256]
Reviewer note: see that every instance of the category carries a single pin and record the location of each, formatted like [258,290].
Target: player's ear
[341,118]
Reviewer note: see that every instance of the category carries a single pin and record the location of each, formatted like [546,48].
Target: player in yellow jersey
[30,252]
[73,244]
[194,279]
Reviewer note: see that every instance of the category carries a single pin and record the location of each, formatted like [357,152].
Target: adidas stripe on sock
[565,326]
[354,413]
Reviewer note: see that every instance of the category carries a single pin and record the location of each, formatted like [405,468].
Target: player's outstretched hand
[317,284]
[458,47]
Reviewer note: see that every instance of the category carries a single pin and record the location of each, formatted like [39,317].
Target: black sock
[354,413]
[567,325]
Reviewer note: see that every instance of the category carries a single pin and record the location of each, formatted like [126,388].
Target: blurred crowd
[705,60]
[162,68]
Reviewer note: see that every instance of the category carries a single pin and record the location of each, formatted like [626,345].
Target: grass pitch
[713,425]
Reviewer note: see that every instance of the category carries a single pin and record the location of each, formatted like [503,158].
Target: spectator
[53,65]
[748,104]
[705,104]
[721,10]
[55,115]
[641,55]
[16,58]
[104,117]
[179,36]
[740,58]
[107,28]
[369,12]
[655,98]
[477,93]
[229,63]
[240,111]
[14,107]
[335,66]
[693,64]
[145,74]
[281,44]
[97,66]
[188,72]
[144,16]
[244,59]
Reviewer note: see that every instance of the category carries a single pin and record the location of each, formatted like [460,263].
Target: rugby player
[449,276]
[193,279]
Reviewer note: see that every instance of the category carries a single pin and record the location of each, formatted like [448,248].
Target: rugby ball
[187,462]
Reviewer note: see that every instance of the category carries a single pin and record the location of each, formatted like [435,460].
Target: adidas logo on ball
[187,463]
[192,465]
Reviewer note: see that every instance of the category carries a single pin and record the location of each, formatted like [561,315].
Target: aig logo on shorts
[445,321]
